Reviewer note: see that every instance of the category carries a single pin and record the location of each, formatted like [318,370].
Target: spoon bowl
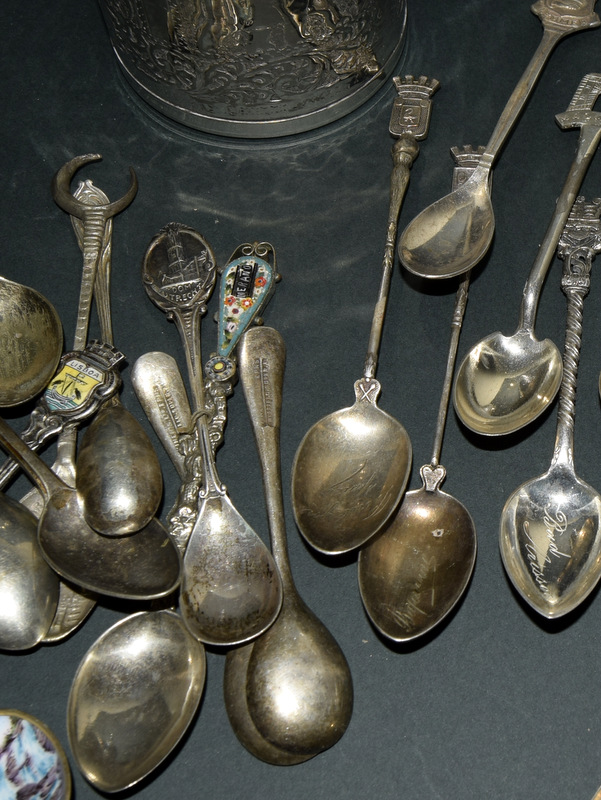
[31,342]
[133,697]
[453,234]
[413,574]
[236,704]
[505,382]
[550,540]
[355,457]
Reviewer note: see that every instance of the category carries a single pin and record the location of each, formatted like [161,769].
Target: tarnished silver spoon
[352,466]
[550,533]
[231,590]
[133,697]
[415,571]
[297,658]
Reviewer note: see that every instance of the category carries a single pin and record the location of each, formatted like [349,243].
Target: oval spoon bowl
[550,541]
[505,382]
[359,456]
[414,572]
[133,696]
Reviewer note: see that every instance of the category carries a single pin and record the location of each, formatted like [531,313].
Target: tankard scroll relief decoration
[235,54]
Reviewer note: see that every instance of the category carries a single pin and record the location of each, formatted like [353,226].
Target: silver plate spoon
[550,533]
[415,571]
[297,658]
[505,382]
[231,590]
[133,696]
[352,466]
[31,342]
[143,566]
[118,473]
[450,236]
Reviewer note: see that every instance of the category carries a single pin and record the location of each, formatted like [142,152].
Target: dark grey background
[496,703]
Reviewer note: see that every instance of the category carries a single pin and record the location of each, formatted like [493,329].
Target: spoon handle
[262,360]
[579,114]
[580,242]
[41,474]
[555,27]
[410,120]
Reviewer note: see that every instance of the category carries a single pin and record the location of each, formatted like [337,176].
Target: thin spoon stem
[521,93]
[590,135]
[404,153]
[456,324]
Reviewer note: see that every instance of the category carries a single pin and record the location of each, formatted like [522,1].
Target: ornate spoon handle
[409,122]
[578,246]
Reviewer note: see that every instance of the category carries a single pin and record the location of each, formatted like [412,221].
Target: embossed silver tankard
[256,68]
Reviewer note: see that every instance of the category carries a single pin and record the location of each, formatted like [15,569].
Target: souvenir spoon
[415,571]
[133,697]
[159,387]
[145,565]
[505,382]
[231,590]
[352,466]
[550,533]
[297,658]
[31,342]
[453,234]
[118,473]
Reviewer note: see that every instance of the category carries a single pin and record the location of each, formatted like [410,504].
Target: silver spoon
[450,236]
[297,658]
[231,590]
[133,697]
[118,473]
[550,533]
[415,571]
[31,342]
[505,382]
[160,390]
[145,565]
[352,466]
